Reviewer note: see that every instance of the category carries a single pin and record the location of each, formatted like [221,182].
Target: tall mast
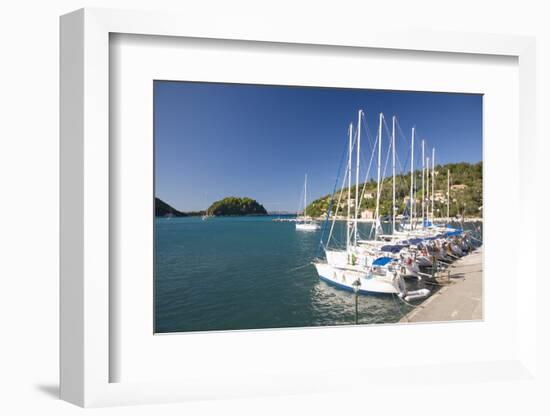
[414,200]
[305,196]
[423,191]
[349,183]
[378,179]
[433,183]
[393,173]
[412,178]
[428,188]
[448,191]
[357,175]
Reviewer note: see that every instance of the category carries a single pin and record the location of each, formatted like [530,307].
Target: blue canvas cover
[381,261]
[392,248]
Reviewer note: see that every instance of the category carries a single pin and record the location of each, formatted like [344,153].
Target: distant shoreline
[371,220]
[361,220]
[187,215]
[437,220]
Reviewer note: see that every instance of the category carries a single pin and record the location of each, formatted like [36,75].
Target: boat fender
[417,294]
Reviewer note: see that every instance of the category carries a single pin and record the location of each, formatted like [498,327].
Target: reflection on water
[333,306]
[249,273]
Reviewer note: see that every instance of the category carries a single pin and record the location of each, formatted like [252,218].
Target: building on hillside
[459,187]
[344,203]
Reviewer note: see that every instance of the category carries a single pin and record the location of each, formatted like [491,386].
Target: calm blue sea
[231,273]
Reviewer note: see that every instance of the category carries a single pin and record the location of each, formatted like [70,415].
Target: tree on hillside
[237,206]
[467,200]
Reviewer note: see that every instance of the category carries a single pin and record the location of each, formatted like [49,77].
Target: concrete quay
[460,299]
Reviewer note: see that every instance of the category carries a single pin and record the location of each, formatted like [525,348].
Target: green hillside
[466,197]
[162,209]
[236,206]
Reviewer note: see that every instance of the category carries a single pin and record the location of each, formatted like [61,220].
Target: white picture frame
[86,356]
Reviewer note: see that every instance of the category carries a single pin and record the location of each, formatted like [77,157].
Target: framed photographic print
[270,213]
[275,260]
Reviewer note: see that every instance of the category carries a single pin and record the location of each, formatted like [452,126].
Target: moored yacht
[304,223]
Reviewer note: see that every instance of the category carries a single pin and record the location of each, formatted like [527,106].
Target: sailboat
[206,215]
[364,266]
[353,269]
[304,223]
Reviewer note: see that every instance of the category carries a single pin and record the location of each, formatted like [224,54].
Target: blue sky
[216,140]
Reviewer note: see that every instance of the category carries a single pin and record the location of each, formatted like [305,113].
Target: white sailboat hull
[368,282]
[307,226]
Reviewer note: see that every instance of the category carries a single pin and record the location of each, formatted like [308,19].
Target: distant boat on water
[304,223]
[206,215]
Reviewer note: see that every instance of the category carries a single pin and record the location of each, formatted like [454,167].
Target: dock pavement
[460,298]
